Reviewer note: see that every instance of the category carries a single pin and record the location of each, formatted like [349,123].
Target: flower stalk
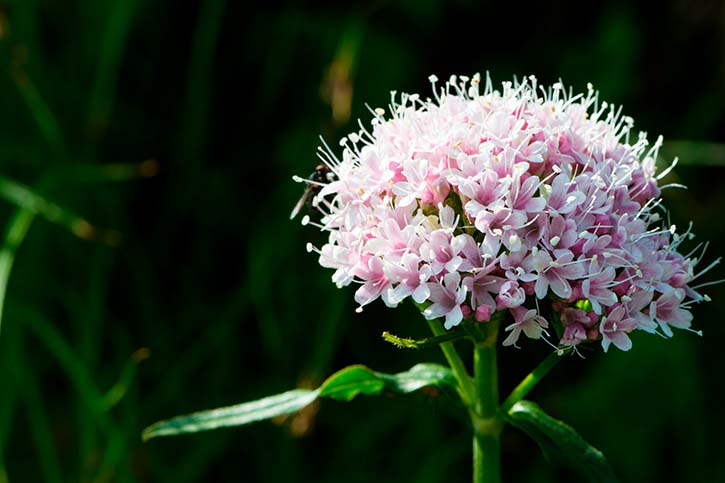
[466,387]
[530,381]
[485,415]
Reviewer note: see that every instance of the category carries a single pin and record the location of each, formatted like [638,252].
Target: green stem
[485,416]
[466,388]
[530,381]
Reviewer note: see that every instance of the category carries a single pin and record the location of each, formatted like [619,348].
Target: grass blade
[112,46]
[39,425]
[15,233]
[24,197]
[199,81]
[39,110]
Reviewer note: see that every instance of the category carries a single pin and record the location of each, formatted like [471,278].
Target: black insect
[319,177]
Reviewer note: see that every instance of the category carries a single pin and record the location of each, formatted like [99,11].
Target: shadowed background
[167,132]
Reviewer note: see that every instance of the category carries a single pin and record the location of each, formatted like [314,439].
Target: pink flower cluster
[524,200]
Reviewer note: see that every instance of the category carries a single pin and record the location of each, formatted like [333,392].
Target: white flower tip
[559,352]
[590,87]
[379,111]
[706,298]
[555,241]
[359,310]
[297,179]
[309,247]
[433,78]
[305,221]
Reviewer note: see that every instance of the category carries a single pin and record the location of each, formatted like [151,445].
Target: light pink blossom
[526,321]
[482,203]
[615,328]
[447,297]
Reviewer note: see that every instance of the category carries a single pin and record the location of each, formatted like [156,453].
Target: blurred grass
[179,125]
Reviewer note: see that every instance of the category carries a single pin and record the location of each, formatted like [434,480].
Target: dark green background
[212,278]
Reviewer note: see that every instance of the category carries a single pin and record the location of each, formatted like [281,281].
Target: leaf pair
[556,439]
[343,385]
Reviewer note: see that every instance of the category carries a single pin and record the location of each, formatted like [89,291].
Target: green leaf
[343,385]
[559,441]
[237,415]
[420,376]
[347,383]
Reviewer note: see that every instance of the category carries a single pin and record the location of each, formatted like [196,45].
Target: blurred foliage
[209,279]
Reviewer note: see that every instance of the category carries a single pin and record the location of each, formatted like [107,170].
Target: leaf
[349,382]
[559,441]
[237,415]
[343,385]
[420,376]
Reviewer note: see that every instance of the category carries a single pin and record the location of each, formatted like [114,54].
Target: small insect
[320,176]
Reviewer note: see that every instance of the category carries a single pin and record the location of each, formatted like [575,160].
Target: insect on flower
[319,177]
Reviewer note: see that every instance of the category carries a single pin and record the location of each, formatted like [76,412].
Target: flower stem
[466,389]
[530,381]
[485,416]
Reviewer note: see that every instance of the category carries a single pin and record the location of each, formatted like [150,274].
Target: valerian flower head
[526,201]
